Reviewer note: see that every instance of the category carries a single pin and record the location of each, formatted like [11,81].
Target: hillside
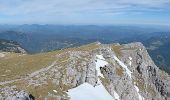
[10,46]
[95,71]
[158,48]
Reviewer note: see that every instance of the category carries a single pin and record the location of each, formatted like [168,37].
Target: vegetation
[117,49]
[105,81]
[14,65]
[119,71]
[151,90]
[140,83]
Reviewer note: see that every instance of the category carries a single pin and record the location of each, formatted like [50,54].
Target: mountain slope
[122,72]
[158,48]
[10,46]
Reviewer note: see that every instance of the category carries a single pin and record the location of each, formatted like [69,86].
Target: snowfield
[87,92]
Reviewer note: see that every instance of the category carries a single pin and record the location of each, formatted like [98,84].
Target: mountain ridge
[128,73]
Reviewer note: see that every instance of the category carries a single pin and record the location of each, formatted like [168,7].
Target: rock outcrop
[10,46]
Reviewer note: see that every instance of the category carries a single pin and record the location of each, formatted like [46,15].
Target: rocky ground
[130,73]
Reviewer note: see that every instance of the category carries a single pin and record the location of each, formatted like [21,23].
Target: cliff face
[120,72]
[151,82]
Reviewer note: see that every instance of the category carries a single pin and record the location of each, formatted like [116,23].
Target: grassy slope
[15,65]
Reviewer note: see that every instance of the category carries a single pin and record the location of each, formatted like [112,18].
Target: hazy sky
[85,12]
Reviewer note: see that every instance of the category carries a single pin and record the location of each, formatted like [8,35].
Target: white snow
[87,92]
[116,96]
[55,91]
[130,62]
[130,58]
[123,65]
[2,55]
[100,57]
[140,97]
[100,62]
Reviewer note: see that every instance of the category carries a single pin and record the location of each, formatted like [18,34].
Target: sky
[102,12]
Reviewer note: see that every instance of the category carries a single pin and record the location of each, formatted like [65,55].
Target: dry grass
[119,71]
[88,47]
[140,83]
[151,90]
[41,91]
[105,81]
[117,50]
[15,65]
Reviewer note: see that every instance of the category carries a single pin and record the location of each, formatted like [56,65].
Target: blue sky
[85,12]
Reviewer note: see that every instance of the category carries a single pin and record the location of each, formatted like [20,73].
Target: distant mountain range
[42,38]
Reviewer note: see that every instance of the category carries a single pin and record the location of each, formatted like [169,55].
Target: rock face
[130,74]
[10,46]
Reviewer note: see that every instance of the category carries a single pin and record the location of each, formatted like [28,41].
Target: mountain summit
[95,72]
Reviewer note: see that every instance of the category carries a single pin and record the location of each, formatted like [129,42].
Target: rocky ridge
[130,74]
[10,46]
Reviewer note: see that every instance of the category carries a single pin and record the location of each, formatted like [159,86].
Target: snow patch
[87,92]
[130,62]
[100,57]
[55,91]
[116,96]
[130,58]
[100,62]
[140,97]
[123,65]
